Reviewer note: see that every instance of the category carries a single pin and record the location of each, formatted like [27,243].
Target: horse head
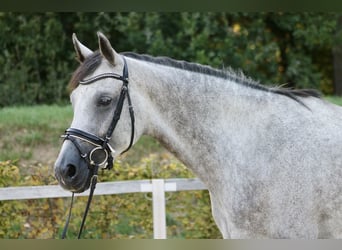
[103,122]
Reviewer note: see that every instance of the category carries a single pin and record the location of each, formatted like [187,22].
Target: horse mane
[92,62]
[225,74]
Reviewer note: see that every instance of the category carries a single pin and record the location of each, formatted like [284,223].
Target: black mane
[225,74]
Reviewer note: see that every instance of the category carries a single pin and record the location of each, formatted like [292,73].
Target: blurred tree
[337,53]
[37,55]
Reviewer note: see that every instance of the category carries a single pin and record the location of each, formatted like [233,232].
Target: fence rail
[102,188]
[157,187]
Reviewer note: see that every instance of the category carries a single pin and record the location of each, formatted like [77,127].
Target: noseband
[102,149]
[102,153]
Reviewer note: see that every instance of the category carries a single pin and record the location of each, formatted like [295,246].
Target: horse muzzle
[71,170]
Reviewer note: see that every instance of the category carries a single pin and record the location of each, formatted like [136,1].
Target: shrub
[123,216]
[37,56]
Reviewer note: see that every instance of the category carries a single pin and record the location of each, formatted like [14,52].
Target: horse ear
[106,49]
[82,51]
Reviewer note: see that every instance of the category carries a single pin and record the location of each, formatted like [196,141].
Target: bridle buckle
[99,160]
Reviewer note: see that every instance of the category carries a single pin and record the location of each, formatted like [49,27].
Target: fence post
[159,216]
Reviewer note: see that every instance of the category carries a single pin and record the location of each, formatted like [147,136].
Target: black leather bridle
[101,155]
[101,145]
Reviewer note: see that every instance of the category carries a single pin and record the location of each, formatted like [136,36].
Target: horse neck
[191,113]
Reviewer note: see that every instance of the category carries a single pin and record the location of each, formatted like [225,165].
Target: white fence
[157,187]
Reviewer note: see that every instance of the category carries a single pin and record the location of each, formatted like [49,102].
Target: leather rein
[101,145]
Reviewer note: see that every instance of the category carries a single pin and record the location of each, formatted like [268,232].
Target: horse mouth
[77,186]
[76,183]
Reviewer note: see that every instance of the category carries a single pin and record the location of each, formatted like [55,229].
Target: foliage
[33,59]
[124,216]
[37,57]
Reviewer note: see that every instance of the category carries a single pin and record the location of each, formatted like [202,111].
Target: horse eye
[104,101]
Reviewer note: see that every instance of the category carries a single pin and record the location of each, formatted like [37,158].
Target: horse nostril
[71,170]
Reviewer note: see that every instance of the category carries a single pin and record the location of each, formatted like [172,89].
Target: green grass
[334,99]
[24,130]
[33,116]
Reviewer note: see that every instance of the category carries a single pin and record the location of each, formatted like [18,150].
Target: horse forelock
[90,64]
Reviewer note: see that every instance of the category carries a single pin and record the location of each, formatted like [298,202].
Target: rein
[101,156]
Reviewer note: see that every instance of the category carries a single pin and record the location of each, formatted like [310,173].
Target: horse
[271,157]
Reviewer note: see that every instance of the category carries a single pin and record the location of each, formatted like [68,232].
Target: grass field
[334,99]
[32,134]
[25,130]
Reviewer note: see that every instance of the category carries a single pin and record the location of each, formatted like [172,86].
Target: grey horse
[270,157]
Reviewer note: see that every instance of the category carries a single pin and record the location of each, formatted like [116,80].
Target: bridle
[102,153]
[101,145]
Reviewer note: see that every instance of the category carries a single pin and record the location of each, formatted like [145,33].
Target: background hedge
[37,57]
[125,216]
